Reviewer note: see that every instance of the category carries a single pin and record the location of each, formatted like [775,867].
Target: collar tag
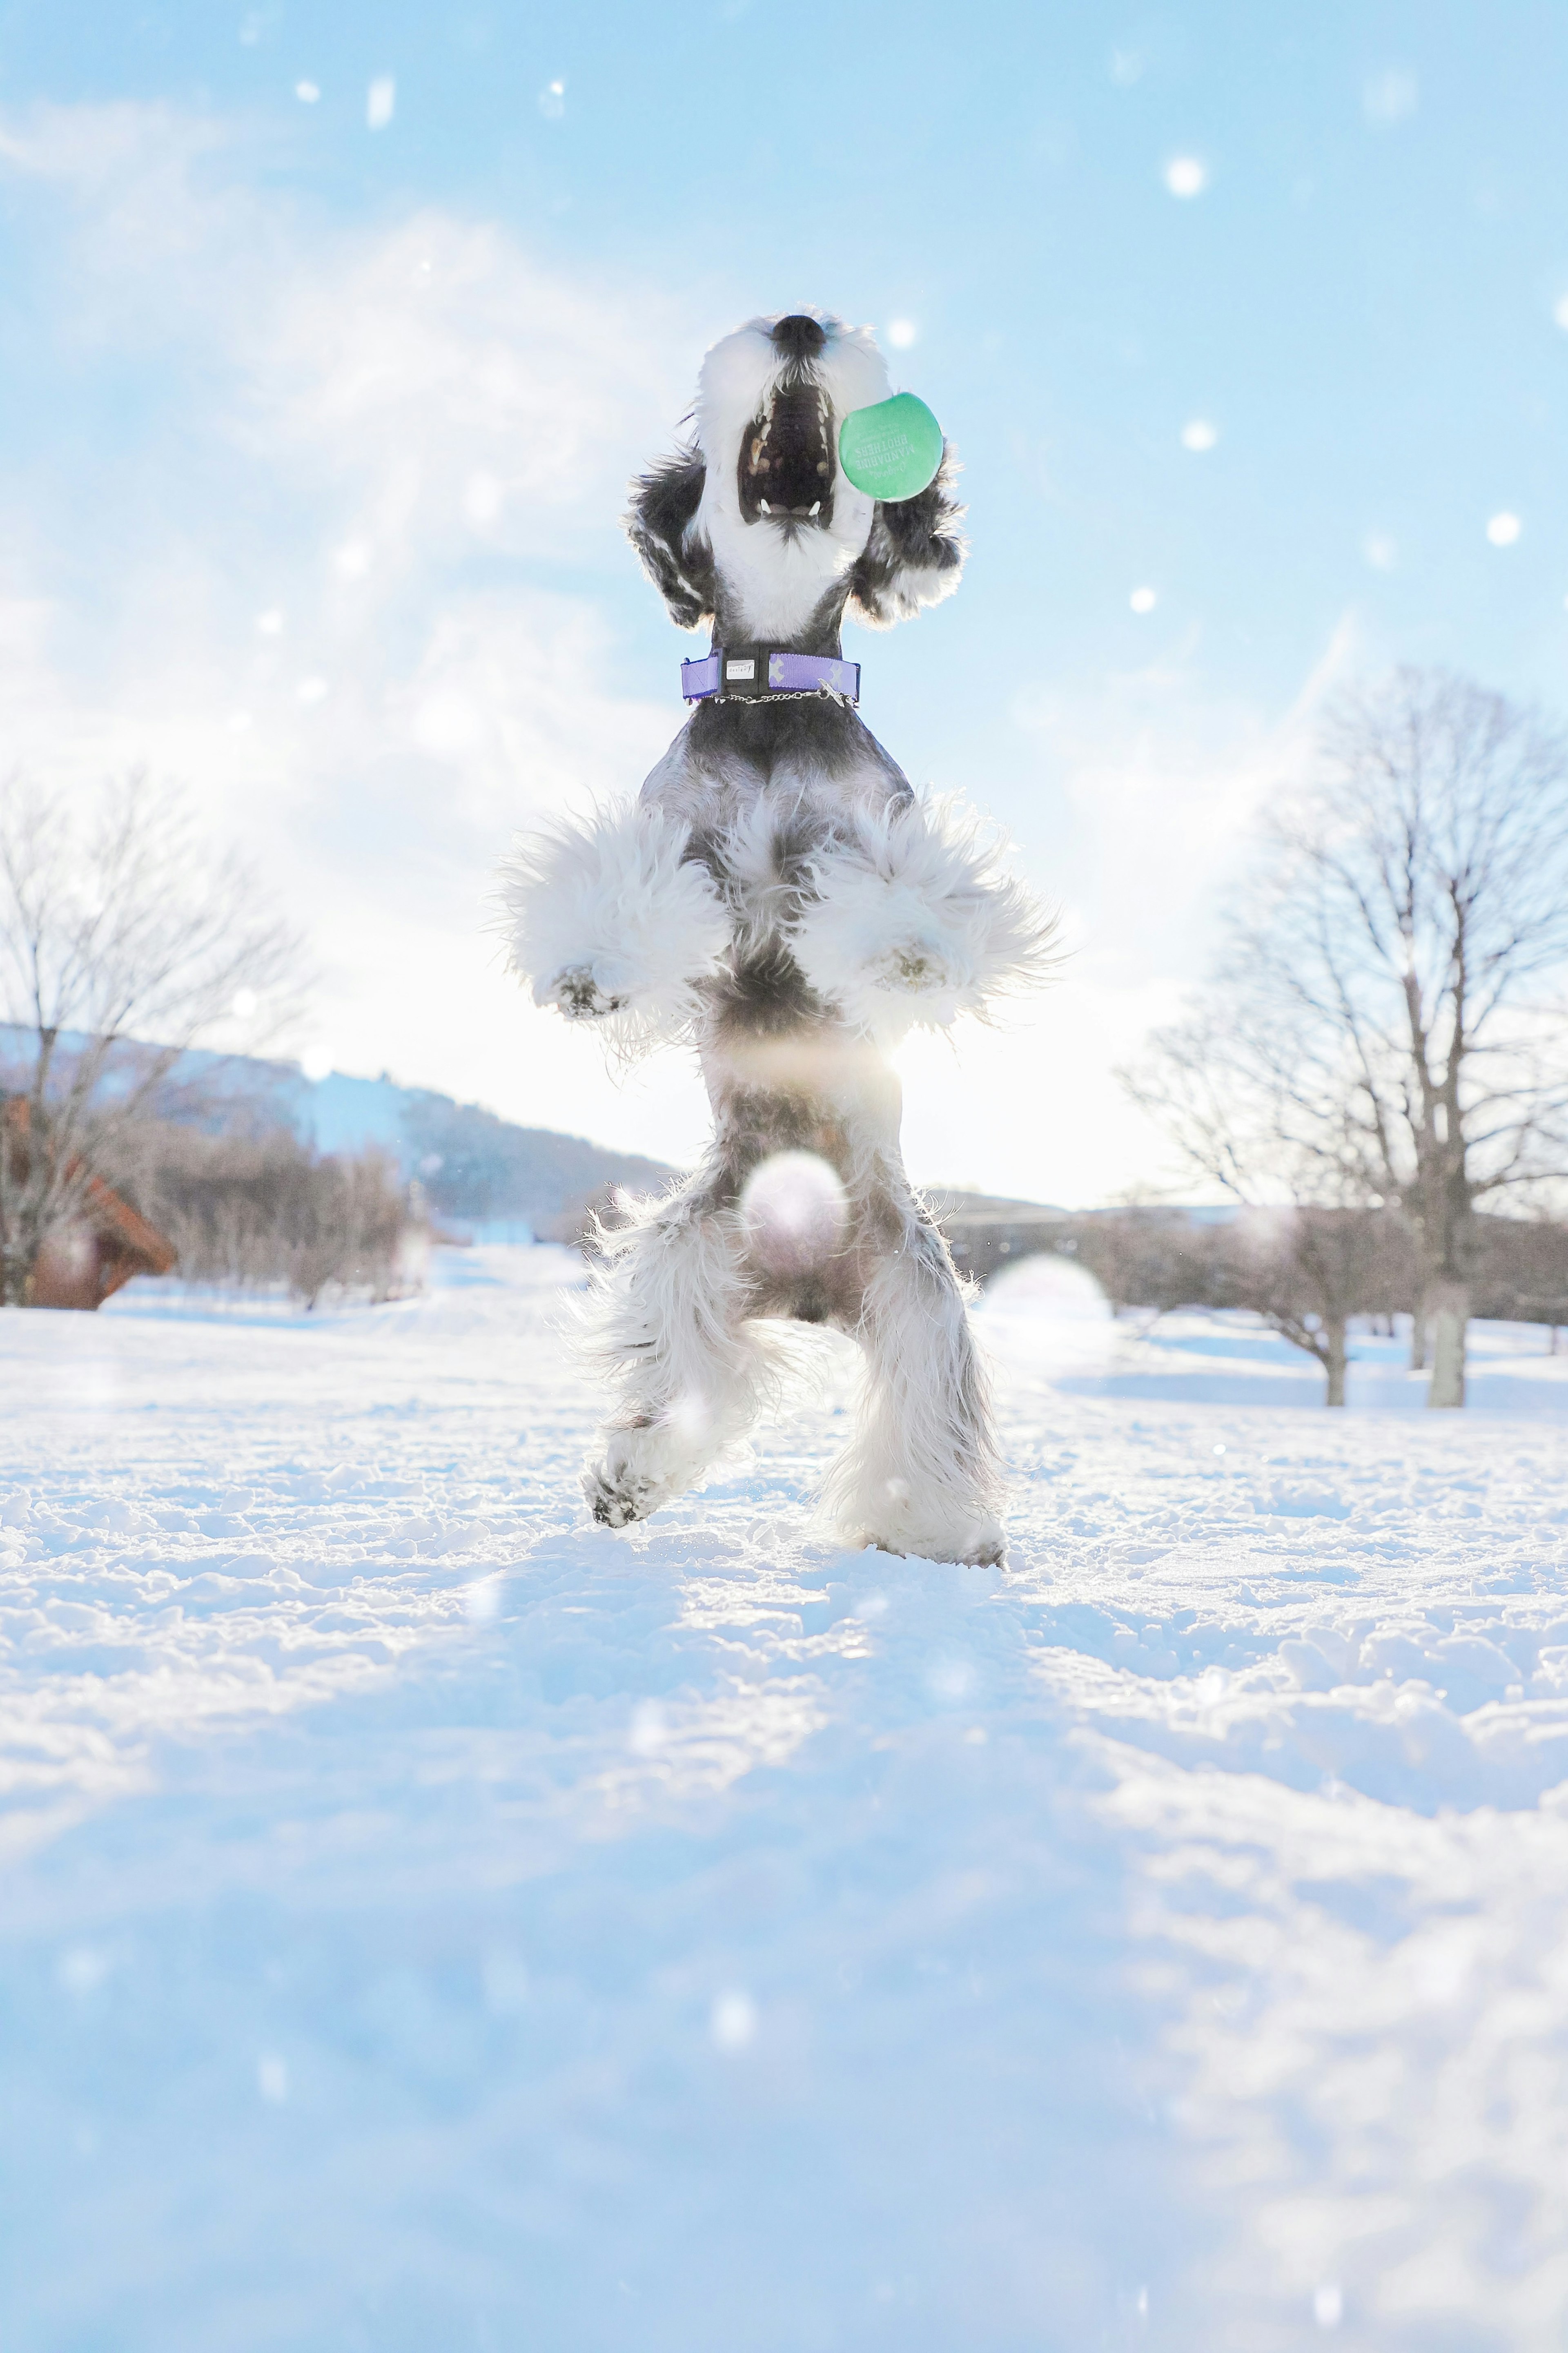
[757,673]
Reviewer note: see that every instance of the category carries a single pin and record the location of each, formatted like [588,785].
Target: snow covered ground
[429,1923]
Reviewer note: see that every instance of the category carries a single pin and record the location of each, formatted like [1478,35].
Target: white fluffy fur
[920,1474]
[610,922]
[665,1322]
[914,921]
[780,582]
[911,587]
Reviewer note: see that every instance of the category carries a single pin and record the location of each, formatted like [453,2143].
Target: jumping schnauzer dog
[779,897]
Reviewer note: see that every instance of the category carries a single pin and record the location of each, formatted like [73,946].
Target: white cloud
[1163,779]
[433,382]
[1165,773]
[304,643]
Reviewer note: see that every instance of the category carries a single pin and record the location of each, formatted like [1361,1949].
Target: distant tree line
[1308,1274]
[256,1213]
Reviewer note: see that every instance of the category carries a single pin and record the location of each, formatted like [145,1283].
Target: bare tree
[248,1212]
[123,943]
[1382,1031]
[1309,1251]
[1308,1270]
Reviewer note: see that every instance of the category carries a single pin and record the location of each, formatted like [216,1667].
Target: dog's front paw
[577,995]
[914,965]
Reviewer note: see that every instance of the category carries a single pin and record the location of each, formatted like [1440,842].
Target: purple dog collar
[750,673]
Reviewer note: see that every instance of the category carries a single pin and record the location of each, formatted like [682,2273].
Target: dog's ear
[659,523]
[914,554]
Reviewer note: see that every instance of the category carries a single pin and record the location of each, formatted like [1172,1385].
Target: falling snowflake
[1389,98]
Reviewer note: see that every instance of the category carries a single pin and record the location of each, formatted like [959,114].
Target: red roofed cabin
[105,1242]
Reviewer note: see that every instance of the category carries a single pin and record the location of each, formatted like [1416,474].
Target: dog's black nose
[798,337]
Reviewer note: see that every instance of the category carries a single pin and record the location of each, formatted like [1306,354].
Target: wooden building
[87,1259]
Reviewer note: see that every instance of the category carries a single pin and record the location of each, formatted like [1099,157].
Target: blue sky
[312,436]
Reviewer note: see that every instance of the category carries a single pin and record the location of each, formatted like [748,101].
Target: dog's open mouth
[786,465]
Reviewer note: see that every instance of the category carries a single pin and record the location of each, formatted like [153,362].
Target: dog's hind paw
[988,1551]
[976,1542]
[616,1502]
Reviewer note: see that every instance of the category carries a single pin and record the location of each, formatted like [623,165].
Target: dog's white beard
[913,920]
[611,923]
[777,580]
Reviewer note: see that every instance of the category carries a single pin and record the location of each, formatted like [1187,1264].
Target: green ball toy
[892,449]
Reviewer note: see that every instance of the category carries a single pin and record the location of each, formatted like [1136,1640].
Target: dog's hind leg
[921,1474]
[666,1322]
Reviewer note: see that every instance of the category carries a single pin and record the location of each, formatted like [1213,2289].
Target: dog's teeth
[766,509]
[817,508]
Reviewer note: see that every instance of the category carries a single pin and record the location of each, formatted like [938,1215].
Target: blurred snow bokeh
[1049,1313]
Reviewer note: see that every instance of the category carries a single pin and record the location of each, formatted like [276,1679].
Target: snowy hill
[485,1178]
